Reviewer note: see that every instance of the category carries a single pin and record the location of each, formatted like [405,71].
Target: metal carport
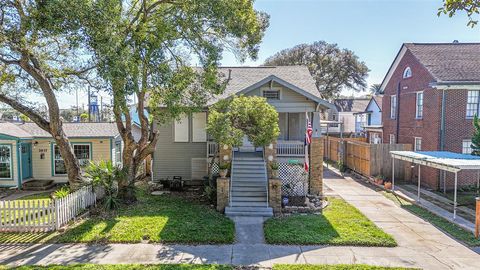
[442,160]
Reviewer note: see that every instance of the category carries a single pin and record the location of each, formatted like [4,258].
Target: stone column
[223,194]
[275,194]
[316,166]
[225,154]
[270,153]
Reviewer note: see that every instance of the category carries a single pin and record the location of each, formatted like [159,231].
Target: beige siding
[42,168]
[14,180]
[290,101]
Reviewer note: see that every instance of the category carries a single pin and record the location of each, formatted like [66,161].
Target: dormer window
[271,94]
[407,73]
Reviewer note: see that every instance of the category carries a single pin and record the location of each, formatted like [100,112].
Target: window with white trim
[199,127]
[271,94]
[392,138]
[82,152]
[407,73]
[418,144]
[393,107]
[5,161]
[473,103]
[181,129]
[419,105]
[467,147]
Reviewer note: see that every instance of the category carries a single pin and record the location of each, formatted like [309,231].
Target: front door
[26,160]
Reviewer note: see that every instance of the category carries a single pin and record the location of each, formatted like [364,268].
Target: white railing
[212,148]
[290,148]
[44,214]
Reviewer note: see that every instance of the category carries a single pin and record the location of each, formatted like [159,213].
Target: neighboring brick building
[432,92]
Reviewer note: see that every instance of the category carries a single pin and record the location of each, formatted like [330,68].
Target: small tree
[476,137]
[232,119]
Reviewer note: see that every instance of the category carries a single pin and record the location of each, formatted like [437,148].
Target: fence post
[477,217]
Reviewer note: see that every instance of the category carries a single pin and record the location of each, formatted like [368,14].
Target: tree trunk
[71,162]
[126,185]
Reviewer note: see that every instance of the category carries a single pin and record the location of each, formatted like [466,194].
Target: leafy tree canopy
[470,7]
[376,89]
[332,68]
[231,119]
[476,137]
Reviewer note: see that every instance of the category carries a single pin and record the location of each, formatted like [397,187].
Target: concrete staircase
[249,186]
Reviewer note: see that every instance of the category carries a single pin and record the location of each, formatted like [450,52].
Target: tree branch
[32,114]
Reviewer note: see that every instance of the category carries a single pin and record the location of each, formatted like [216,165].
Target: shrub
[274,166]
[106,175]
[224,166]
[61,192]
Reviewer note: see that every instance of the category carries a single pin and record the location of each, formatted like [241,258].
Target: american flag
[308,140]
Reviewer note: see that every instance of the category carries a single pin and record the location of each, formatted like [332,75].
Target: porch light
[35,144]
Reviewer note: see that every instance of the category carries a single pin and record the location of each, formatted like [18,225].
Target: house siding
[14,181]
[175,158]
[42,168]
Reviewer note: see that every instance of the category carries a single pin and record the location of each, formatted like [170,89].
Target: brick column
[222,193]
[225,154]
[275,194]
[316,166]
[270,153]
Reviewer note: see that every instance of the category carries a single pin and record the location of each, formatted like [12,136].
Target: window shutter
[199,123]
[181,129]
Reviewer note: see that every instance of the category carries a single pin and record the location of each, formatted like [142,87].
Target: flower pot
[388,185]
[274,173]
[379,181]
[223,173]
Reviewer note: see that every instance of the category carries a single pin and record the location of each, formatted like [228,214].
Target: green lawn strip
[443,224]
[124,267]
[166,219]
[38,196]
[334,267]
[340,224]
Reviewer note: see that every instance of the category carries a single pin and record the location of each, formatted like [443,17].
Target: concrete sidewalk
[421,245]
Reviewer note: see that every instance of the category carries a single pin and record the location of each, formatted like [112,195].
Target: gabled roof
[446,62]
[72,130]
[377,100]
[244,79]
[354,105]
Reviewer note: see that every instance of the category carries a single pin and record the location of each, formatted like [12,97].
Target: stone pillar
[223,194]
[270,153]
[225,154]
[275,194]
[316,166]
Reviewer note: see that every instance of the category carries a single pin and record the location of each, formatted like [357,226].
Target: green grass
[39,196]
[166,219]
[334,267]
[443,224]
[340,224]
[124,267]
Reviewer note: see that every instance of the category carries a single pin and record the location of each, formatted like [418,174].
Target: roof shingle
[72,130]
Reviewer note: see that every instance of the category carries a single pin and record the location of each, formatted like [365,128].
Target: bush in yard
[106,175]
[61,192]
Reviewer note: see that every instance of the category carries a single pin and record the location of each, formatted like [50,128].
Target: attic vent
[455,41]
[271,94]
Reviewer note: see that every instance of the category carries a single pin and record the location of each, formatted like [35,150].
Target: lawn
[452,229]
[340,224]
[334,267]
[166,219]
[36,200]
[125,267]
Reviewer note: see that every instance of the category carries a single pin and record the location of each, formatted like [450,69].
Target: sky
[373,29]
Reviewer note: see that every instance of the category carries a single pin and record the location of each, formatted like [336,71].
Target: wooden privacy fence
[332,146]
[375,159]
[44,214]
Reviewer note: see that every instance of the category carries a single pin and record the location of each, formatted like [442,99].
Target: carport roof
[443,160]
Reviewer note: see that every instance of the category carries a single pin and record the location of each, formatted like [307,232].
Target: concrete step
[248,158]
[241,170]
[249,204]
[38,185]
[262,180]
[249,176]
[248,161]
[249,189]
[236,200]
[237,194]
[249,211]
[249,184]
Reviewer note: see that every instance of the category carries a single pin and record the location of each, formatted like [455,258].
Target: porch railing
[290,148]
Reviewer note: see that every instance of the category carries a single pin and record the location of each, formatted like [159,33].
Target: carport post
[418,191]
[455,198]
[393,173]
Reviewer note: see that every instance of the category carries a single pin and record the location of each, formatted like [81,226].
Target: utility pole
[89,103]
[76,98]
[101,109]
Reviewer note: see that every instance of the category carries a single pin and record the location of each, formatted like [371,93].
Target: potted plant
[274,166]
[387,184]
[224,169]
[379,179]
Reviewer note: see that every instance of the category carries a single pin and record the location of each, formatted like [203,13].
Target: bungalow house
[372,126]
[351,114]
[431,96]
[28,153]
[184,147]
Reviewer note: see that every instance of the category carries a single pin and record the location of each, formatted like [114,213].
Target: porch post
[393,173]
[455,197]
[418,191]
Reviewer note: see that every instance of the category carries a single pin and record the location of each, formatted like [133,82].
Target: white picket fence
[44,215]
